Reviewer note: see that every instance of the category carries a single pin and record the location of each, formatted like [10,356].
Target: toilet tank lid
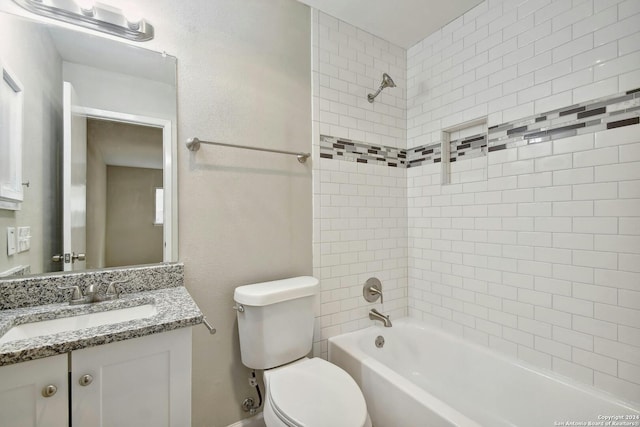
[276,291]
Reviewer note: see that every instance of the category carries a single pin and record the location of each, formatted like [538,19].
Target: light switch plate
[11,240]
[24,239]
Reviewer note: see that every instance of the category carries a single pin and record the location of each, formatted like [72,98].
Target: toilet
[275,324]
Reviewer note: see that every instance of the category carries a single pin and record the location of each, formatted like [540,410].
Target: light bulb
[133,17]
[87,7]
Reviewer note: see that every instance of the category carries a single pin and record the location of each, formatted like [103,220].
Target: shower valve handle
[372,290]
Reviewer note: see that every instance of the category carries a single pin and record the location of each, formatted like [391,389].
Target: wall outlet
[11,241]
[24,239]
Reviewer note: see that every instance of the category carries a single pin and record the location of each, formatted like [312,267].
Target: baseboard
[255,421]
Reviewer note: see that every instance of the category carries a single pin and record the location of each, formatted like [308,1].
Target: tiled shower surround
[360,209]
[542,259]
[534,249]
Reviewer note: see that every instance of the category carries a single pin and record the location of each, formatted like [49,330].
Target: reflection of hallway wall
[124,165]
[96,203]
[131,236]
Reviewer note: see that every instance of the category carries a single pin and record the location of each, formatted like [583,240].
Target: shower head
[387,81]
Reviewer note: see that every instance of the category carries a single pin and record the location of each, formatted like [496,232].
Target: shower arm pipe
[193,144]
[372,96]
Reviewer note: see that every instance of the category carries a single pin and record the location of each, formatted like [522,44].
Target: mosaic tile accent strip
[424,155]
[594,116]
[468,147]
[361,152]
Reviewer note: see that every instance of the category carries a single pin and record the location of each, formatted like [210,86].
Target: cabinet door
[22,403]
[139,382]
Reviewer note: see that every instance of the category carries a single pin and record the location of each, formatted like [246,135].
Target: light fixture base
[100,18]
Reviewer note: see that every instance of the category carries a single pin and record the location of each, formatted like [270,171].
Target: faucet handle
[377,291]
[112,289]
[76,296]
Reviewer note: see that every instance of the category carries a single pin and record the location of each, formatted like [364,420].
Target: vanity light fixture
[92,15]
[133,17]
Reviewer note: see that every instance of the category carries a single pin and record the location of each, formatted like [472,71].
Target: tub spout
[376,315]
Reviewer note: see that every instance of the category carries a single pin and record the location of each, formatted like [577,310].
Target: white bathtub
[425,377]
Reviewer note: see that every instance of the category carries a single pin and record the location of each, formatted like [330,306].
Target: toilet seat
[314,392]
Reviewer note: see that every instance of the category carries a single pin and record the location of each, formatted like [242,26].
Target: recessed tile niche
[464,152]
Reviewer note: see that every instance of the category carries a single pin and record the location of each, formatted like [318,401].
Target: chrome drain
[380,341]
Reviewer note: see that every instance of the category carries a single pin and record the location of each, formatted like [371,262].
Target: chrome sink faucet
[92,293]
[376,315]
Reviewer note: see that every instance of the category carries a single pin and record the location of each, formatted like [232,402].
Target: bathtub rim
[631,406]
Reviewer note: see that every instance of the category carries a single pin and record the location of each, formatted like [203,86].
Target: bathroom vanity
[143,381]
[121,362]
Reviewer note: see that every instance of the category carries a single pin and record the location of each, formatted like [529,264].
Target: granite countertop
[175,309]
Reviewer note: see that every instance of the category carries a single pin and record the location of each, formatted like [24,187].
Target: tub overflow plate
[380,341]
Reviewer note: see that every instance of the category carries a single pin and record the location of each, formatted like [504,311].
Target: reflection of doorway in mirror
[125,163]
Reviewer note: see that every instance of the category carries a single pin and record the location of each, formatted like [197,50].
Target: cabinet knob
[49,390]
[85,380]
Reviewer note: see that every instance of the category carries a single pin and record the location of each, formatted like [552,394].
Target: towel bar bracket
[206,323]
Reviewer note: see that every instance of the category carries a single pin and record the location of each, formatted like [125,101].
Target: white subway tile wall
[360,210]
[558,285]
[508,60]
[350,64]
[363,233]
[535,253]
[541,260]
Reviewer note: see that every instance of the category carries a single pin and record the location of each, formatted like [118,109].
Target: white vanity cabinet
[138,382]
[35,393]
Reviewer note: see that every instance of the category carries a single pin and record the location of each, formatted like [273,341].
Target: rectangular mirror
[98,148]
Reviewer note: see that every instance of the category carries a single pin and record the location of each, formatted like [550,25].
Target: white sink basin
[75,323]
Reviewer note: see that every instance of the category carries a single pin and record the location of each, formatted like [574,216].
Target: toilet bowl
[275,326]
[313,393]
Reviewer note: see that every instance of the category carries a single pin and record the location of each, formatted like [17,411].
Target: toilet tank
[275,321]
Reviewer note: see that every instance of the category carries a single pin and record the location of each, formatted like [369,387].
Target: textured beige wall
[132,238]
[244,77]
